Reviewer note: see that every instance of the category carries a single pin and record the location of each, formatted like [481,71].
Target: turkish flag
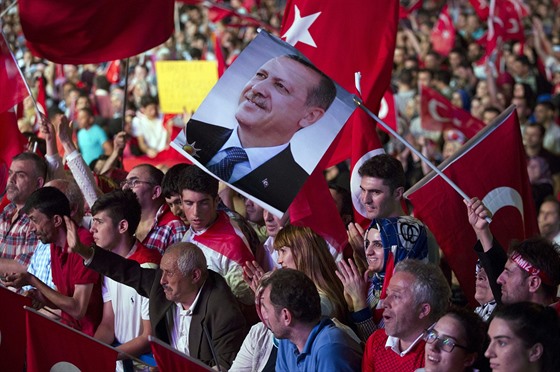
[83,31]
[443,33]
[171,360]
[437,113]
[492,167]
[51,344]
[12,142]
[12,324]
[507,20]
[337,37]
[388,111]
[13,89]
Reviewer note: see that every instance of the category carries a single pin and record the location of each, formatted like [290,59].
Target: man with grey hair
[417,296]
[191,307]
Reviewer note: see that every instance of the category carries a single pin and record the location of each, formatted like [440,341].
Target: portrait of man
[257,142]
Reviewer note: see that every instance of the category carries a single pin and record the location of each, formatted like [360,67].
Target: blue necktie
[224,168]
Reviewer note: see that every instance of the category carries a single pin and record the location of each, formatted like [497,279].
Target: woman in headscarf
[387,241]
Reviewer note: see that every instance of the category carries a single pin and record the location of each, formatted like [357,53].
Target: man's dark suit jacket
[276,182]
[217,308]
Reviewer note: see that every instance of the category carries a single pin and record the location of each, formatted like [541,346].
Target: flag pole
[39,114]
[361,105]
[8,9]
[125,93]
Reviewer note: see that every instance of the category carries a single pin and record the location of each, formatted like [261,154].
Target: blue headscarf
[402,237]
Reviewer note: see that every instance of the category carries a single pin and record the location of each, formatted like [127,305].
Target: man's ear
[58,220]
[196,275]
[286,317]
[424,310]
[157,192]
[122,226]
[312,115]
[534,283]
[398,193]
[40,182]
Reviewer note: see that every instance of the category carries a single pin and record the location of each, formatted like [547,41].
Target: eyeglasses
[133,182]
[444,343]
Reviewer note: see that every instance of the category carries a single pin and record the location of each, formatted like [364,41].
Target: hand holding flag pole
[359,103]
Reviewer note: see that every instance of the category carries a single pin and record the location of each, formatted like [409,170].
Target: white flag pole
[361,105]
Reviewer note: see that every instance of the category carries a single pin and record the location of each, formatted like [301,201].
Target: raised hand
[252,274]
[355,284]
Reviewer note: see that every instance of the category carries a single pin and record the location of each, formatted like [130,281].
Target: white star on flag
[299,30]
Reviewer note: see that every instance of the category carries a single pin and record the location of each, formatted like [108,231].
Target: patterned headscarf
[402,237]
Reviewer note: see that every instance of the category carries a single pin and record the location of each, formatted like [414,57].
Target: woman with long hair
[525,337]
[302,249]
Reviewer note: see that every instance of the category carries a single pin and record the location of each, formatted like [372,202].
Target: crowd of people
[166,250]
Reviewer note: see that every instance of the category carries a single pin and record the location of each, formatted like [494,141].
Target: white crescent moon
[514,26]
[499,21]
[433,110]
[355,180]
[383,109]
[504,197]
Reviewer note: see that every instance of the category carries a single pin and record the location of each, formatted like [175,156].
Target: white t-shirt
[153,131]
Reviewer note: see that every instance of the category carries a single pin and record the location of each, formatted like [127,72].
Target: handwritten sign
[184,84]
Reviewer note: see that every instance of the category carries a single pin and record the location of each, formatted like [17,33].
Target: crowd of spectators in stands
[197,257]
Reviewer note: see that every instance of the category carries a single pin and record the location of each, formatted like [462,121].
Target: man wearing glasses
[158,228]
[417,296]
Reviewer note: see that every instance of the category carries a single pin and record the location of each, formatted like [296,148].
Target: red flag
[12,142]
[219,53]
[506,20]
[50,344]
[481,7]
[79,31]
[13,89]
[12,323]
[437,113]
[405,11]
[387,111]
[443,33]
[114,72]
[328,223]
[217,12]
[171,360]
[309,26]
[492,167]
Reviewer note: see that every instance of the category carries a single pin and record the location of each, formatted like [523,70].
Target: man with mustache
[27,173]
[286,94]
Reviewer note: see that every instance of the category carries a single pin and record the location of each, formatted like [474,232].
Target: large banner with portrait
[266,124]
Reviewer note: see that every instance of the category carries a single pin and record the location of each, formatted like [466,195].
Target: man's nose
[260,88]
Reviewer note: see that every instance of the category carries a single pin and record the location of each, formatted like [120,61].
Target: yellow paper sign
[184,84]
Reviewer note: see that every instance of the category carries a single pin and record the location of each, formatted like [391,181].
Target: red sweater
[379,358]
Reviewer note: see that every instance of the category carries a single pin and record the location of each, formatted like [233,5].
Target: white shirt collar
[393,343]
[257,155]
[190,310]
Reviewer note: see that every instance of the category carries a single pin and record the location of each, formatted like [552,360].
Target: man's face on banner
[272,105]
